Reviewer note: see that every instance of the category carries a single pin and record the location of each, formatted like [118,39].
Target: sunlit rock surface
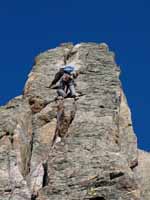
[88,153]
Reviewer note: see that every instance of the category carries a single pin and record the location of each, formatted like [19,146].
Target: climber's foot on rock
[59,98]
[76,97]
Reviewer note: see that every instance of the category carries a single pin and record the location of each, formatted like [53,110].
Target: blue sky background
[32,26]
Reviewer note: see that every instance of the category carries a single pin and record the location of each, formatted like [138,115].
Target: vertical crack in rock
[31,150]
[45,177]
[60,115]
[64,118]
[67,55]
[97,198]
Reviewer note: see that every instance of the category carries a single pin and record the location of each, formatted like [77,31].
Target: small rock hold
[97,198]
[36,104]
[116,174]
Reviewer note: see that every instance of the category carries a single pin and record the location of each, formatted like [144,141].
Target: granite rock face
[95,155]
[142,172]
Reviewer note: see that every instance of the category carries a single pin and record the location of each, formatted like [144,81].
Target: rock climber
[66,76]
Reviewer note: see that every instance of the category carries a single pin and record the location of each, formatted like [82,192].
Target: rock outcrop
[142,172]
[95,156]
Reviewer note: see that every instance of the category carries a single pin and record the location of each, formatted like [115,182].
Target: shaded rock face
[70,150]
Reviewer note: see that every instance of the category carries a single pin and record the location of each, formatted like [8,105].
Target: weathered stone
[13,160]
[142,172]
[66,149]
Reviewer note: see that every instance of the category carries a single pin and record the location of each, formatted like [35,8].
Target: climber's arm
[76,74]
[58,75]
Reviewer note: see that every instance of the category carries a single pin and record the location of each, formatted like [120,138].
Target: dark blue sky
[32,26]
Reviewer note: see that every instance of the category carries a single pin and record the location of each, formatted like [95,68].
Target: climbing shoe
[59,98]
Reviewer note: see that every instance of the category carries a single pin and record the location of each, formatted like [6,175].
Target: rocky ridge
[97,155]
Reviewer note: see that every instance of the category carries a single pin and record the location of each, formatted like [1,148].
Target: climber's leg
[61,92]
[72,90]
[62,89]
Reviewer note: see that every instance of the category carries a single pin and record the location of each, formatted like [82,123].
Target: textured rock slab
[94,160]
[96,152]
[15,151]
[143,174]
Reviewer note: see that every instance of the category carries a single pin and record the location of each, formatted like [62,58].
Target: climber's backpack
[69,69]
[68,72]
